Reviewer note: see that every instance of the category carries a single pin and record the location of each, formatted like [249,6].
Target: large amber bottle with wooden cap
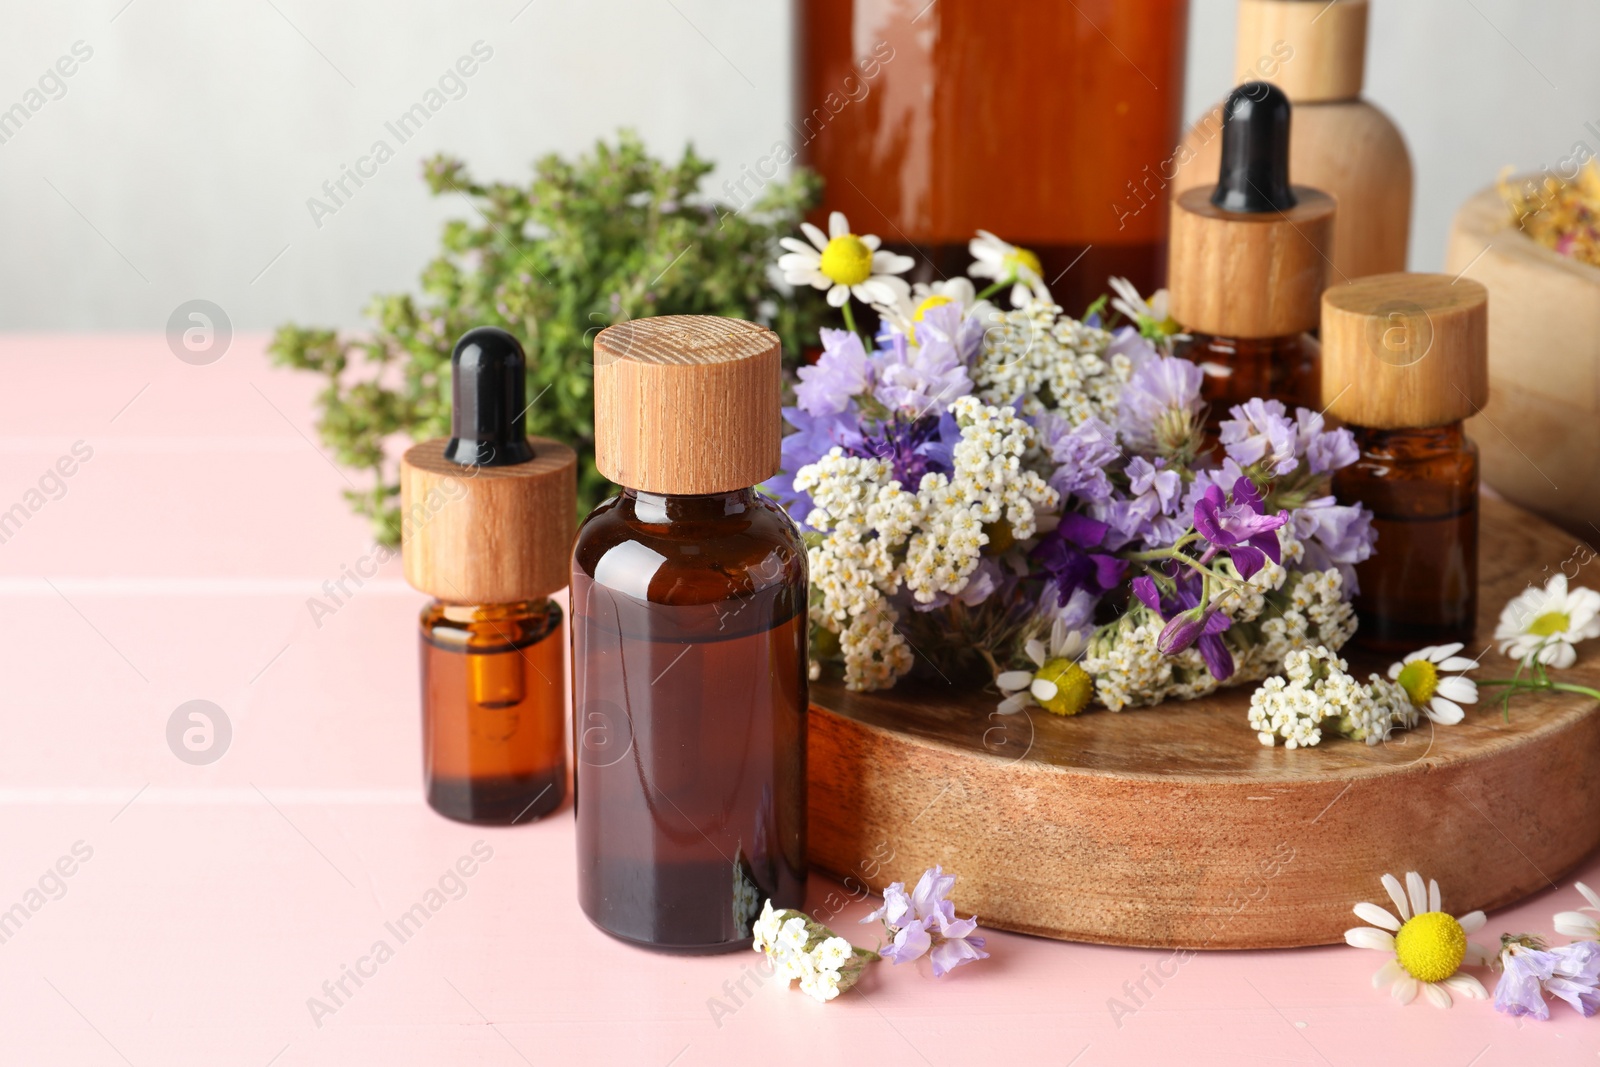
[1315,51]
[688,643]
[1249,263]
[1405,360]
[487,526]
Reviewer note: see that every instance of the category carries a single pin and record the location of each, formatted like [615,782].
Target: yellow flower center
[1074,687]
[1431,946]
[1021,260]
[1420,680]
[847,260]
[1551,622]
[934,300]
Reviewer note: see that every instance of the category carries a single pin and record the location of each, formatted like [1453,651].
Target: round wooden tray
[1174,827]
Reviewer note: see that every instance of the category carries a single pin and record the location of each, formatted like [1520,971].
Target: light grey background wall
[176,160]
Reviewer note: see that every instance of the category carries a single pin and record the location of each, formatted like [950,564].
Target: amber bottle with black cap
[688,643]
[1405,361]
[1249,263]
[487,520]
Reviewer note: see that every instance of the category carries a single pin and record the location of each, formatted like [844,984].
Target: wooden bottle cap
[1405,350]
[1236,274]
[687,404]
[1328,39]
[488,535]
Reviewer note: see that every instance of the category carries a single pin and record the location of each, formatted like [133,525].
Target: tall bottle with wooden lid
[487,526]
[1405,360]
[1249,263]
[688,643]
[1315,51]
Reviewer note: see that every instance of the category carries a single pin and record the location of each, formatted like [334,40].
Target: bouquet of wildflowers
[1015,495]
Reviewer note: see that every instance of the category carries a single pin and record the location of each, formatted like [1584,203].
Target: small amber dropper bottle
[688,643]
[487,521]
[1405,360]
[1249,261]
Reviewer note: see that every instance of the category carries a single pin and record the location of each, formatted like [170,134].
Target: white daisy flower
[909,308]
[844,264]
[1440,699]
[1544,624]
[1578,924]
[1060,685]
[1153,315]
[1427,946]
[1005,262]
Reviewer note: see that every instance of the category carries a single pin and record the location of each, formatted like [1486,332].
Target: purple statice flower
[1128,341]
[1260,432]
[1068,558]
[1325,451]
[912,447]
[1525,968]
[814,437]
[1239,527]
[840,374]
[922,377]
[950,324]
[1188,622]
[1576,976]
[1160,401]
[1148,516]
[923,922]
[1334,535]
[1081,453]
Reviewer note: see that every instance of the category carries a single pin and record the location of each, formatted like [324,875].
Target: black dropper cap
[1255,151]
[489,381]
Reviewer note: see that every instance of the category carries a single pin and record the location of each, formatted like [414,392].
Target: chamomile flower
[1578,924]
[1058,685]
[1427,946]
[912,305]
[1005,262]
[1544,624]
[1152,317]
[1439,698]
[844,264]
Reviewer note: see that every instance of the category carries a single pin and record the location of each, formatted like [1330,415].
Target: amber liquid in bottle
[493,711]
[1421,585]
[1274,368]
[689,703]
[929,121]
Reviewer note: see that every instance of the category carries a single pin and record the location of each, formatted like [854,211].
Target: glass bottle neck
[1410,440]
[665,508]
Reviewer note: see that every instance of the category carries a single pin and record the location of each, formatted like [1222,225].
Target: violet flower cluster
[978,475]
[923,923]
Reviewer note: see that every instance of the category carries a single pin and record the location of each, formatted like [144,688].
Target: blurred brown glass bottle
[1054,125]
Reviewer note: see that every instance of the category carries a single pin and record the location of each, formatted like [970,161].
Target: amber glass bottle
[1422,487]
[929,121]
[1249,263]
[487,522]
[688,644]
[493,710]
[1406,359]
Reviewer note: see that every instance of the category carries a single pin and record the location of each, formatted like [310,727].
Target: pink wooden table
[176,564]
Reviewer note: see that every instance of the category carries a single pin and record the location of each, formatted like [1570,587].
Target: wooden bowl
[1174,827]
[1540,433]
